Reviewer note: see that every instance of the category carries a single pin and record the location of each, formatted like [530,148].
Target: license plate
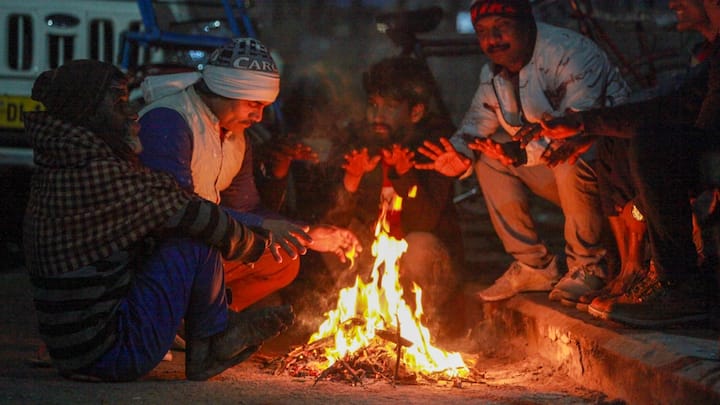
[12,109]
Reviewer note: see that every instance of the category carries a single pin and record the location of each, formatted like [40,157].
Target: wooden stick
[398,350]
[352,372]
[325,372]
[393,337]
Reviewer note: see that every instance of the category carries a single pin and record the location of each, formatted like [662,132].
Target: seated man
[118,256]
[666,159]
[194,128]
[379,177]
[534,69]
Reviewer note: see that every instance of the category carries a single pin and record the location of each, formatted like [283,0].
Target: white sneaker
[520,277]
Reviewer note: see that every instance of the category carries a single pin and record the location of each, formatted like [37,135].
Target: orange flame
[364,309]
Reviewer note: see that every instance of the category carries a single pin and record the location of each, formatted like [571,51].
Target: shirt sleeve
[208,222]
[680,107]
[586,79]
[167,145]
[480,119]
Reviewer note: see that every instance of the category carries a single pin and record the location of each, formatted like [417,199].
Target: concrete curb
[637,366]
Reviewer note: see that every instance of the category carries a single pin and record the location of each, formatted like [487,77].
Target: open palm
[444,158]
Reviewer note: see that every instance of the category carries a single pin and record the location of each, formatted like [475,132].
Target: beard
[122,139]
[131,138]
[386,136]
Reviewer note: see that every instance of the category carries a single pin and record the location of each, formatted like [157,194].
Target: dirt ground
[505,376]
[504,373]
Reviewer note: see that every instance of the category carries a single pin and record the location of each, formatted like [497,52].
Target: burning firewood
[376,362]
[374,335]
[394,337]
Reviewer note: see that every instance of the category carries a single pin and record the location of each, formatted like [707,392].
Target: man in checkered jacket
[118,255]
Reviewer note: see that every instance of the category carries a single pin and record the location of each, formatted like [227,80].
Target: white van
[37,35]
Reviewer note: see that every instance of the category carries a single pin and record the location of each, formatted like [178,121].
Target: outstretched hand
[444,158]
[492,149]
[285,153]
[359,162]
[401,158]
[568,150]
[340,241]
[563,127]
[286,235]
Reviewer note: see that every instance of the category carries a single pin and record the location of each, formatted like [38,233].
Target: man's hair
[402,78]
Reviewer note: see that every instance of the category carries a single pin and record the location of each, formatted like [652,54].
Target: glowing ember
[376,312]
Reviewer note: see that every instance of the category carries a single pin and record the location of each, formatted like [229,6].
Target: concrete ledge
[638,366]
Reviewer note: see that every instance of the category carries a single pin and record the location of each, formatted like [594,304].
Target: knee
[288,273]
[425,255]
[423,242]
[485,166]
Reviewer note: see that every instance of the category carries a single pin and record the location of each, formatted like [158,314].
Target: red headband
[505,8]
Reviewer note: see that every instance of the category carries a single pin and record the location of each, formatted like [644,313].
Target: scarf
[85,201]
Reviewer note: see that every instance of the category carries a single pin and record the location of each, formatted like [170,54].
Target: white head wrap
[243,69]
[242,84]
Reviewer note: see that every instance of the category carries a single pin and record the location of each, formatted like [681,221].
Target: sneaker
[577,282]
[520,277]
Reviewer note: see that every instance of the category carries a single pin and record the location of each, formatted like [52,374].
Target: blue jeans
[183,279]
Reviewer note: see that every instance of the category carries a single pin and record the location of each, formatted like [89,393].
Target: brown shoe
[656,303]
[635,288]
[670,304]
[246,331]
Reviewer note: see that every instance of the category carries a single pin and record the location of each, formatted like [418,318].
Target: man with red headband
[536,69]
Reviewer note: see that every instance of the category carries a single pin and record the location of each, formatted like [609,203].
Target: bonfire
[373,333]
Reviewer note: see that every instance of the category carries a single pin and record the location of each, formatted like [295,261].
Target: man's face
[239,115]
[116,117]
[388,117]
[690,14]
[504,40]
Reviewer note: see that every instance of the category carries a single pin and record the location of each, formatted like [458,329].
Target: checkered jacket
[87,209]
[86,202]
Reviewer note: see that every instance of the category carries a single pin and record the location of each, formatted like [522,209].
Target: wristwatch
[636,214]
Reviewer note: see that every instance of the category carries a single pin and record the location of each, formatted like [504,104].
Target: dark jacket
[430,210]
[701,90]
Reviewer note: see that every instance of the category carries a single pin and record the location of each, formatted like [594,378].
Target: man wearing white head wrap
[245,72]
[193,127]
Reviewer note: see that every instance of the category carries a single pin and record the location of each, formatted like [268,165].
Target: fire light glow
[364,310]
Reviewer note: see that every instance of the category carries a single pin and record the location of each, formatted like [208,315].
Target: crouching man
[119,255]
